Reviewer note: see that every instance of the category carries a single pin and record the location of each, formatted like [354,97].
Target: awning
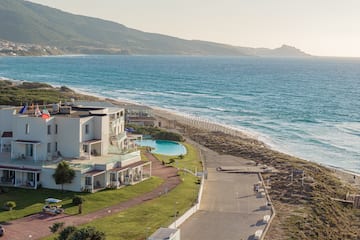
[52,200]
[92,141]
[11,168]
[28,141]
[94,173]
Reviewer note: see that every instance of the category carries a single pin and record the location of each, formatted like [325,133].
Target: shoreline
[196,122]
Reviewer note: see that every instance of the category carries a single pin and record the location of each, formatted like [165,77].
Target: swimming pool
[164,147]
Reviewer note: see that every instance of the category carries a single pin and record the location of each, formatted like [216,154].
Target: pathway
[37,226]
[229,207]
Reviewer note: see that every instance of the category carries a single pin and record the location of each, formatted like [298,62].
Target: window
[112,177]
[29,148]
[49,129]
[56,128]
[88,180]
[30,176]
[87,129]
[56,147]
[27,128]
[85,148]
[49,147]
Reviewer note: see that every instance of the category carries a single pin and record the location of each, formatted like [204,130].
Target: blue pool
[164,147]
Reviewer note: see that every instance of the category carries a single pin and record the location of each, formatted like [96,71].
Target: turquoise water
[164,147]
[306,107]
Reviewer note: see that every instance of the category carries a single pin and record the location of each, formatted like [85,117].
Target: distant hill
[27,22]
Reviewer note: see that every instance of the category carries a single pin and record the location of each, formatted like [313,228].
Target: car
[2,231]
[52,206]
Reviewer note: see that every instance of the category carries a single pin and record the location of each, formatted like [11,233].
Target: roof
[94,172]
[92,141]
[136,164]
[7,134]
[27,141]
[19,168]
[163,234]
[142,119]
[52,200]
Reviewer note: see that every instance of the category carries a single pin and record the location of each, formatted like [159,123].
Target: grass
[31,201]
[140,221]
[191,160]
[136,222]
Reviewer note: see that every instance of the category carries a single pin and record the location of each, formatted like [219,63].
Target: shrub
[10,205]
[77,200]
[56,226]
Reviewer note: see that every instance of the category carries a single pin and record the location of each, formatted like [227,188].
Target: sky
[318,27]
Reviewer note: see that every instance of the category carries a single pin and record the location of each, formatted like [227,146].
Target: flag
[45,114]
[23,109]
[37,111]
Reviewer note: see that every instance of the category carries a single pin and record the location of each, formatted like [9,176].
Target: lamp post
[175,213]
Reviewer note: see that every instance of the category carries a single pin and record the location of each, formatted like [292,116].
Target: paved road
[229,207]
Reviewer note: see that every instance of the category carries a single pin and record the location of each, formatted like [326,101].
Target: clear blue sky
[319,27]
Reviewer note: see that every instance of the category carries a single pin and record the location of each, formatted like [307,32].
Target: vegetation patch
[156,133]
[20,93]
[31,201]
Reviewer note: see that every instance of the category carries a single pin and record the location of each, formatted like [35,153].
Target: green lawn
[191,160]
[31,201]
[138,222]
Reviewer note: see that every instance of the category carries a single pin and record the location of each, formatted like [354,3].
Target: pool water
[164,147]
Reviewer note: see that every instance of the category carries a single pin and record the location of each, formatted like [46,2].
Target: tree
[86,233]
[63,174]
[66,233]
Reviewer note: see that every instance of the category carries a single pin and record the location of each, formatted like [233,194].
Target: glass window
[27,128]
[49,129]
[29,150]
[49,147]
[56,147]
[56,128]
[87,129]
[88,180]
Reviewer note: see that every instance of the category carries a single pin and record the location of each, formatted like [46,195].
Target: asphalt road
[229,207]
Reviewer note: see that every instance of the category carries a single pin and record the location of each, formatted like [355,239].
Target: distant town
[8,48]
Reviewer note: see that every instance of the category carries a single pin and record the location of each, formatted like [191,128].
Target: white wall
[47,181]
[37,132]
[68,137]
[6,118]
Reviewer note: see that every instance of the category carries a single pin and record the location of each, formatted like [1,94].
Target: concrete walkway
[229,207]
[37,226]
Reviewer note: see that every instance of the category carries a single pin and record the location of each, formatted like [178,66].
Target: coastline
[305,209]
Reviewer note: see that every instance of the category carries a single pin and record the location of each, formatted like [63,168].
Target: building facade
[90,138]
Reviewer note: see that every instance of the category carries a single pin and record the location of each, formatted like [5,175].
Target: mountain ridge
[26,22]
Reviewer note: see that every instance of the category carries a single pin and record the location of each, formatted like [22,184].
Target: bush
[56,227]
[77,200]
[9,205]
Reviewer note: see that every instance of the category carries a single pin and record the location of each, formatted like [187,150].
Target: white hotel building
[92,139]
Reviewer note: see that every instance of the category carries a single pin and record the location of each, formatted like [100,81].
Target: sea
[306,107]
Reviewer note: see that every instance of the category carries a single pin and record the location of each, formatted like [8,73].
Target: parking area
[230,209]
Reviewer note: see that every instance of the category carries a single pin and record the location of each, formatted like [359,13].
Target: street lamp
[175,213]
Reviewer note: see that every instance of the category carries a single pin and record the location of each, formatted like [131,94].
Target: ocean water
[309,108]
